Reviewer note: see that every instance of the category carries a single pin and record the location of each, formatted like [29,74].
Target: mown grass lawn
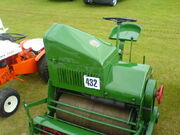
[159,42]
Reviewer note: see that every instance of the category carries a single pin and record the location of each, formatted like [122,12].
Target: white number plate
[91,82]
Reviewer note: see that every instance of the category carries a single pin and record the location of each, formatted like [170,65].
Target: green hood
[70,45]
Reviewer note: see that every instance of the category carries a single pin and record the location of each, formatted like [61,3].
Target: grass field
[159,42]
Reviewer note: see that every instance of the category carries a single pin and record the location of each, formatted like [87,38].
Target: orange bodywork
[25,67]
[5,75]
[24,62]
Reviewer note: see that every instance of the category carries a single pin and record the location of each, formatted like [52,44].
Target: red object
[5,75]
[40,55]
[51,131]
[159,94]
[24,62]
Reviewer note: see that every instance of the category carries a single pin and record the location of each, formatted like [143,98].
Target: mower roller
[91,90]
[18,59]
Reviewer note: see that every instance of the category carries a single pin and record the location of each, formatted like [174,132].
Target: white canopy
[2,28]
[36,44]
[8,48]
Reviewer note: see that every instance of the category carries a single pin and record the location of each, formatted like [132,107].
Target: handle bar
[11,36]
[119,20]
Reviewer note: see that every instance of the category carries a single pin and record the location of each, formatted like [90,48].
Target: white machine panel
[36,44]
[92,82]
[8,48]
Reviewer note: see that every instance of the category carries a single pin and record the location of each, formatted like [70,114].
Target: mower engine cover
[73,53]
[8,48]
[70,45]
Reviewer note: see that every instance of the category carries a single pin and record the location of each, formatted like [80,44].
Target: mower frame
[38,123]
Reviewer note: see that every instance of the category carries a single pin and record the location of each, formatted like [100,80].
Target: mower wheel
[43,69]
[9,102]
[113,3]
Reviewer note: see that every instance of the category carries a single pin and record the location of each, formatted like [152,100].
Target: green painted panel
[62,126]
[128,82]
[69,45]
[127,32]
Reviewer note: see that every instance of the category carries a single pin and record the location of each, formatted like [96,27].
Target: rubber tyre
[86,2]
[43,69]
[9,102]
[113,3]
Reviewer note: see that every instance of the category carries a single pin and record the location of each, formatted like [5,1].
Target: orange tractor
[18,59]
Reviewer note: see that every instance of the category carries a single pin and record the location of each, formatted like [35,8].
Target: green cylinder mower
[91,91]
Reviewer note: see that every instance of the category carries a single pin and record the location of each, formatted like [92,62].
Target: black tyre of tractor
[43,69]
[9,102]
[113,3]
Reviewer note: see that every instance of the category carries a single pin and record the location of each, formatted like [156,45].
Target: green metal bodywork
[128,82]
[72,54]
[127,32]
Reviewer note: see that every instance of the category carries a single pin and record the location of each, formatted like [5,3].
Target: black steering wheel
[12,36]
[119,20]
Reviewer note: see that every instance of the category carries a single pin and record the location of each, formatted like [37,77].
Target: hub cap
[114,2]
[10,104]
